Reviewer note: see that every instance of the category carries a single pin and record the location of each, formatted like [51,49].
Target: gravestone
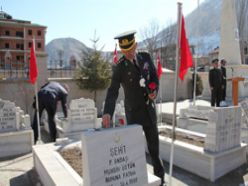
[112,158]
[223,129]
[82,114]
[7,116]
[16,137]
[194,118]
[244,123]
[222,125]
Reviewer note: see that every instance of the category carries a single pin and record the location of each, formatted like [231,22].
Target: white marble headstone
[244,106]
[81,103]
[82,111]
[223,130]
[7,116]
[114,157]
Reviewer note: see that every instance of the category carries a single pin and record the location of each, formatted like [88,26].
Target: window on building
[29,44]
[30,32]
[22,46]
[18,58]
[39,33]
[246,50]
[19,33]
[7,33]
[6,45]
[18,46]
[39,45]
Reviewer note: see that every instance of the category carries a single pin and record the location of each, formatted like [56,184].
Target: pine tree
[94,72]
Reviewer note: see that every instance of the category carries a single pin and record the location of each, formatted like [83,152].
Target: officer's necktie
[135,64]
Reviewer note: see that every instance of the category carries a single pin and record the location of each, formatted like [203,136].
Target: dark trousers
[151,133]
[47,102]
[223,93]
[216,96]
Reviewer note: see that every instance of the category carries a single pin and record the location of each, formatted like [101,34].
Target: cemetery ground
[19,171]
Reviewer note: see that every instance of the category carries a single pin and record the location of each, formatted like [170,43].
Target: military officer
[223,70]
[137,75]
[215,83]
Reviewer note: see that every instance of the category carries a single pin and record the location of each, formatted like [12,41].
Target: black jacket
[56,92]
[215,78]
[139,109]
[223,70]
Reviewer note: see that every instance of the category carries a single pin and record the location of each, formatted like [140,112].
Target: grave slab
[16,137]
[51,167]
[207,165]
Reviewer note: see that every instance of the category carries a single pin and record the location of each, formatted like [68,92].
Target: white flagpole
[160,89]
[196,59]
[179,21]
[37,104]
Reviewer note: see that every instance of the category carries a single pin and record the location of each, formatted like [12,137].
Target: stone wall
[22,92]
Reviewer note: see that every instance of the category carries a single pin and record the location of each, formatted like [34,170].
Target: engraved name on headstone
[114,157]
[82,110]
[7,116]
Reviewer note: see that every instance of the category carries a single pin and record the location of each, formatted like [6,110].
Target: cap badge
[124,42]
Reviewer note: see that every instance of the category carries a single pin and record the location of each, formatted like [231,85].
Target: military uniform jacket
[223,70]
[138,107]
[215,78]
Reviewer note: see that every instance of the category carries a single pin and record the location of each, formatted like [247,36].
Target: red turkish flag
[159,67]
[185,54]
[115,58]
[33,71]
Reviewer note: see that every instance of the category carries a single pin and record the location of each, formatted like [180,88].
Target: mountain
[203,26]
[64,49]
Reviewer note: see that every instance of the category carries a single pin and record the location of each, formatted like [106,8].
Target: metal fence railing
[20,70]
[13,70]
[61,72]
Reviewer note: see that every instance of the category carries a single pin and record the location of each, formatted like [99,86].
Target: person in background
[215,83]
[48,97]
[223,70]
[137,75]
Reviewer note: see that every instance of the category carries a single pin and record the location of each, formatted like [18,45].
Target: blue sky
[79,19]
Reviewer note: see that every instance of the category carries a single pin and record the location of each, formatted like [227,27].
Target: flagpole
[161,95]
[160,89]
[179,20]
[196,59]
[37,112]
[37,105]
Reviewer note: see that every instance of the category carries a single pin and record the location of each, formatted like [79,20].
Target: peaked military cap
[126,40]
[215,61]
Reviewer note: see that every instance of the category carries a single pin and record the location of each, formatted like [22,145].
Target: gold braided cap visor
[128,47]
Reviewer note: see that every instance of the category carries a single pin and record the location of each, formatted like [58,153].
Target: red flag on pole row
[33,71]
[159,67]
[115,58]
[185,55]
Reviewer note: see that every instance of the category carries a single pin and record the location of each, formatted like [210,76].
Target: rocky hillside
[64,49]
